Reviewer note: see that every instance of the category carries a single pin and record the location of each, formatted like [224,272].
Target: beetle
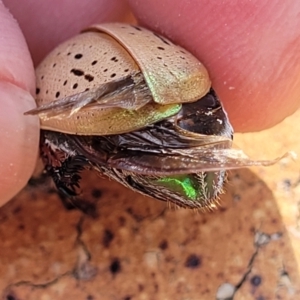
[139,109]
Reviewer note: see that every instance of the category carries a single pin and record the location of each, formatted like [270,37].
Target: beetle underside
[157,160]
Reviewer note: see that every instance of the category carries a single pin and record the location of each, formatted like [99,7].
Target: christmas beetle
[138,109]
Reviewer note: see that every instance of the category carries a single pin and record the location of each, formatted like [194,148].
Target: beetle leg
[64,166]
[66,177]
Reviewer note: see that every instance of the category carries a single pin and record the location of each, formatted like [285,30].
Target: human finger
[19,134]
[251,49]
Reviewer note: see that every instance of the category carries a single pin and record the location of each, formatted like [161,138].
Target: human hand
[44,24]
[250,50]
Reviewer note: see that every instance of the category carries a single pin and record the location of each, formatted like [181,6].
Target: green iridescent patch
[185,185]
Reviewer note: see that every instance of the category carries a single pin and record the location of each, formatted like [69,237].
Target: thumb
[19,134]
[251,50]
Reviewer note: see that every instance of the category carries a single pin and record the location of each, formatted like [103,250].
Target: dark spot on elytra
[37,91]
[163,245]
[87,89]
[90,297]
[75,86]
[256,280]
[193,261]
[127,298]
[113,75]
[89,77]
[53,66]
[66,81]
[115,266]
[94,62]
[126,70]
[42,77]
[105,70]
[47,92]
[160,48]
[69,53]
[114,59]
[107,238]
[77,72]
[57,94]
[158,57]
[161,38]
[137,28]
[182,57]
[78,56]
[96,193]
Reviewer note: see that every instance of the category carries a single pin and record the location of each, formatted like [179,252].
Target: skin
[250,49]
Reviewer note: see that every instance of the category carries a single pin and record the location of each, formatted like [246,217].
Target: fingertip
[19,140]
[253,62]
[19,134]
